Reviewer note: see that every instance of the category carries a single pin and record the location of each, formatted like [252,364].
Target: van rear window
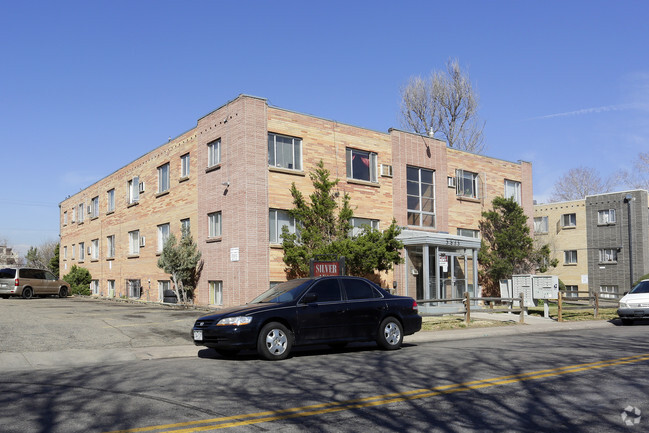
[7,273]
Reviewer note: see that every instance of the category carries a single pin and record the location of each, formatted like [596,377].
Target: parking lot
[51,324]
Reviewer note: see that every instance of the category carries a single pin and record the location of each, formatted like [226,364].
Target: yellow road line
[379,400]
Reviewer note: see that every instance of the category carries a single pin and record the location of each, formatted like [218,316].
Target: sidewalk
[19,361]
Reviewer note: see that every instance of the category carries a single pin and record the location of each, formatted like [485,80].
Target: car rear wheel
[274,341]
[63,292]
[28,293]
[390,334]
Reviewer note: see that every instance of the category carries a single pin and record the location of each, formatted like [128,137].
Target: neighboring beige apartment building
[228,180]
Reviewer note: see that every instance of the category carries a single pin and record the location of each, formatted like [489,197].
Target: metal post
[467,304]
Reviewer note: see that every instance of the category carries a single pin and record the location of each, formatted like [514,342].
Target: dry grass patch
[440,323]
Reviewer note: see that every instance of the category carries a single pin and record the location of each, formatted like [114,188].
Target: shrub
[79,280]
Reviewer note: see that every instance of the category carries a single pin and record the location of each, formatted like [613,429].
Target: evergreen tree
[54,261]
[181,261]
[79,279]
[507,247]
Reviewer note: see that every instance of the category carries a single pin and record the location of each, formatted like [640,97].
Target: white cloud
[596,110]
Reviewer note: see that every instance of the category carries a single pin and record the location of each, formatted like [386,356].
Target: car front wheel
[390,334]
[274,341]
[63,292]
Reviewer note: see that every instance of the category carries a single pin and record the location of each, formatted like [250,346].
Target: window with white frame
[163,235]
[163,178]
[420,190]
[162,287]
[570,257]
[110,286]
[65,252]
[277,219]
[184,165]
[74,247]
[81,213]
[133,186]
[134,288]
[134,242]
[94,249]
[74,214]
[360,224]
[185,226]
[94,287]
[65,218]
[569,220]
[214,224]
[110,200]
[469,233]
[110,246]
[82,251]
[94,207]
[608,291]
[606,216]
[216,292]
[284,152]
[541,224]
[361,165]
[513,190]
[214,153]
[467,184]
[608,255]
[572,291]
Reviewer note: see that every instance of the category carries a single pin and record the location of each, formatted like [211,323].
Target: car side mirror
[625,293]
[310,298]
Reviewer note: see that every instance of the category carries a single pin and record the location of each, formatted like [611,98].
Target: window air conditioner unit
[386,170]
[141,186]
[142,241]
[451,182]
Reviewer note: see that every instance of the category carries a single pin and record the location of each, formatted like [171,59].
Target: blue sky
[88,86]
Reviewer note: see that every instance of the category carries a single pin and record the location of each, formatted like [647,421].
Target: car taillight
[415,307]
[17,283]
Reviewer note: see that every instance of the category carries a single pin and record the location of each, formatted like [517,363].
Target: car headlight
[624,305]
[235,321]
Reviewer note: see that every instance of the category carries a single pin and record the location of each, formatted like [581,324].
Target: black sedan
[323,310]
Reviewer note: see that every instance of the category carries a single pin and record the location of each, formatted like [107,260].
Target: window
[284,152]
[94,207]
[133,186]
[572,291]
[81,214]
[606,216]
[421,197]
[134,242]
[94,249]
[468,233]
[608,291]
[608,255]
[163,286]
[359,224]
[65,252]
[541,224]
[184,165]
[163,235]
[82,251]
[214,153]
[569,220]
[278,219]
[326,291]
[110,198]
[134,288]
[214,224]
[74,213]
[73,248]
[361,165]
[513,190]
[467,184]
[570,257]
[110,285]
[216,292]
[185,226]
[94,287]
[110,246]
[359,289]
[65,218]
[163,178]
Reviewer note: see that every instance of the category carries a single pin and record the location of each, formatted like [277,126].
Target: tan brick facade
[241,188]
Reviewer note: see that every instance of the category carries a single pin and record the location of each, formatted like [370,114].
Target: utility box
[545,286]
[523,284]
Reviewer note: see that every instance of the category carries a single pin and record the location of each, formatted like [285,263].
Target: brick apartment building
[228,180]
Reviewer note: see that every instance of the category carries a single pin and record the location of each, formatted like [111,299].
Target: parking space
[53,324]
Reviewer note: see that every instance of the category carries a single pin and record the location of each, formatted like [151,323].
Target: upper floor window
[541,224]
[163,235]
[570,257]
[65,252]
[163,178]
[608,255]
[94,249]
[110,246]
[185,226]
[133,187]
[361,165]
[606,216]
[65,218]
[134,242]
[184,165]
[421,197]
[214,153]
[94,207]
[81,213]
[284,152]
[110,199]
[569,220]
[513,190]
[277,219]
[359,225]
[214,224]
[74,214]
[82,251]
[468,233]
[467,184]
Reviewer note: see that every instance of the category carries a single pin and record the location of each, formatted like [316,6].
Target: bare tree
[444,106]
[41,256]
[579,182]
[638,176]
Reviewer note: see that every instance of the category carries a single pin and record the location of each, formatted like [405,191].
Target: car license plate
[198,335]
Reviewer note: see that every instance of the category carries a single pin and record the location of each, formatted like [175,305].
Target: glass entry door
[452,271]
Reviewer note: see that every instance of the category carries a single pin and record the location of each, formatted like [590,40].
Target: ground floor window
[572,291]
[216,292]
[163,286]
[134,288]
[608,292]
[111,288]
[94,287]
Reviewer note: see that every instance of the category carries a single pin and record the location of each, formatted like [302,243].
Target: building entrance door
[452,271]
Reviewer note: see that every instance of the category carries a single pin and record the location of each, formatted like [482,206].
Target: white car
[635,304]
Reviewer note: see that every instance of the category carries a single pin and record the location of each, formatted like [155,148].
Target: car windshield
[283,292]
[642,287]
[7,273]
